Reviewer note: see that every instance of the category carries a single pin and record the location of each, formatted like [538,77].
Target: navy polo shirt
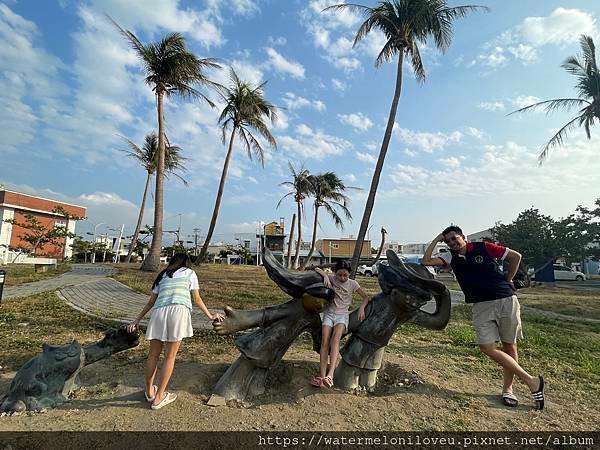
[478,272]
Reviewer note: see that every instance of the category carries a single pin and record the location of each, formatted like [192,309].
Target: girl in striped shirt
[170,321]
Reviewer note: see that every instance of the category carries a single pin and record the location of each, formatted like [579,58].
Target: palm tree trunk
[136,233]
[299,242]
[378,168]
[213,221]
[152,261]
[314,238]
[289,250]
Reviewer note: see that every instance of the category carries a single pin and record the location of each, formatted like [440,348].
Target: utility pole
[196,232]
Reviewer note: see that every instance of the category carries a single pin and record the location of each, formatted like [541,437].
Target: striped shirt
[176,290]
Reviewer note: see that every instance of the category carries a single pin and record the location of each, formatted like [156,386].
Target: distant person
[336,317]
[496,309]
[171,302]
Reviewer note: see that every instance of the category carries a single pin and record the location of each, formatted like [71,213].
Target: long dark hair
[178,261]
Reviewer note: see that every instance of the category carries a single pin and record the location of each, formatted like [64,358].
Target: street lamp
[94,246]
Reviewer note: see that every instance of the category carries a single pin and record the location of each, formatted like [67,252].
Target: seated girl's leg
[151,364]
[324,353]
[338,331]
[166,370]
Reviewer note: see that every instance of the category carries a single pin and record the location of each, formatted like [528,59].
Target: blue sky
[69,86]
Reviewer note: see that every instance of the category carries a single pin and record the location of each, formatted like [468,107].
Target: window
[60,223]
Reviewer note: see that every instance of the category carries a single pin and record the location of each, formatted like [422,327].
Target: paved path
[81,273]
[109,299]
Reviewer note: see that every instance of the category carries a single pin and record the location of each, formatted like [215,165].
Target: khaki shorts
[498,320]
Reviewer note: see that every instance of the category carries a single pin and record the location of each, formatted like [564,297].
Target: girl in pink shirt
[335,319]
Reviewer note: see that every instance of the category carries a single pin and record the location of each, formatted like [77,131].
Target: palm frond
[557,139]
[553,105]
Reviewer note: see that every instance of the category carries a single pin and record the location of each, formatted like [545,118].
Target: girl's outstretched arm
[200,304]
[133,325]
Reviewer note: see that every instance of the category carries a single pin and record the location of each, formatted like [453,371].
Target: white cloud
[358,121]
[280,64]
[280,40]
[338,84]
[350,178]
[492,106]
[148,15]
[366,157]
[27,72]
[244,7]
[474,132]
[427,142]
[524,100]
[493,172]
[522,42]
[563,26]
[451,162]
[314,144]
[105,198]
[295,102]
[248,72]
[410,153]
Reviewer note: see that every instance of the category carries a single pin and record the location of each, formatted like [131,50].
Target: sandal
[169,398]
[509,399]
[317,381]
[328,381]
[538,396]
[148,398]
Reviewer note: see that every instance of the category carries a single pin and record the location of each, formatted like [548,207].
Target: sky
[71,89]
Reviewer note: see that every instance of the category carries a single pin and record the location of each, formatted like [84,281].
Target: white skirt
[170,324]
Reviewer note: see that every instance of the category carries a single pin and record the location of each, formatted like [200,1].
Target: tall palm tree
[245,109]
[301,187]
[170,70]
[146,156]
[328,192]
[585,69]
[406,24]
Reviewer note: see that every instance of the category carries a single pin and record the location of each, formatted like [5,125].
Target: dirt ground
[412,394]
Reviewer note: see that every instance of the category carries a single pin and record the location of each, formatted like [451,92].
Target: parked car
[372,271]
[562,273]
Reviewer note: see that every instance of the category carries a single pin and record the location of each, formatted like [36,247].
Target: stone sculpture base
[242,380]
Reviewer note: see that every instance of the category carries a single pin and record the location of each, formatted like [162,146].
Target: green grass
[17,274]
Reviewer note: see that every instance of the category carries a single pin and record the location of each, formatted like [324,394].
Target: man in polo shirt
[496,310]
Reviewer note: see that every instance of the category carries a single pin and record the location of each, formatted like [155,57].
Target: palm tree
[301,187]
[146,156]
[170,70]
[328,192]
[245,109]
[588,87]
[406,24]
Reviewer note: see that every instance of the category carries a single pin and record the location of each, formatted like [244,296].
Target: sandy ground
[412,394]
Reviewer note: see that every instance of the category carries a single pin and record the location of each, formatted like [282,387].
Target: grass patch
[567,301]
[27,322]
[17,274]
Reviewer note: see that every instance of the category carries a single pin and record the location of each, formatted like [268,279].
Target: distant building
[16,205]
[480,236]
[273,238]
[394,246]
[334,249]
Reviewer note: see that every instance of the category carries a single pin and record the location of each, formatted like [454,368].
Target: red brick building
[15,205]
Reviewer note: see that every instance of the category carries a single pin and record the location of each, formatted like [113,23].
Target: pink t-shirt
[343,293]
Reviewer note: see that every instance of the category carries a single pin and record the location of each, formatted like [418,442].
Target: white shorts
[170,324]
[329,318]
